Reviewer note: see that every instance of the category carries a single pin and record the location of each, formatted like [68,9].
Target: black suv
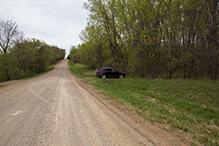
[104,72]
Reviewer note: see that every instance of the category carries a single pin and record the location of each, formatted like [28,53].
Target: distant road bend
[58,109]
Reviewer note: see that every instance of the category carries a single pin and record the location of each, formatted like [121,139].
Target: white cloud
[57,22]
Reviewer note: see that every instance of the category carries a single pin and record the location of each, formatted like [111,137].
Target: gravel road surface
[58,109]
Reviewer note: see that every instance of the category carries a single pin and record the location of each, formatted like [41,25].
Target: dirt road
[57,109]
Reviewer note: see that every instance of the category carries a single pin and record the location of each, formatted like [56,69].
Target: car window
[108,70]
[114,70]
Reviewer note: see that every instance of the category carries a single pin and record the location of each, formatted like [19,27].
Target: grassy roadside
[1,86]
[187,107]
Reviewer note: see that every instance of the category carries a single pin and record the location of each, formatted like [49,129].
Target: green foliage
[28,58]
[74,55]
[2,67]
[161,38]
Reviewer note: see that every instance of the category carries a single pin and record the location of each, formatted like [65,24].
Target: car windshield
[114,70]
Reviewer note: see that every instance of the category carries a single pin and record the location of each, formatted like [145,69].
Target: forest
[23,57]
[152,38]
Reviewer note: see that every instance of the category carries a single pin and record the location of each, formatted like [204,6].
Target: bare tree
[8,34]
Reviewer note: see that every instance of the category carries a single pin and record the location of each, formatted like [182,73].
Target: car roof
[106,67]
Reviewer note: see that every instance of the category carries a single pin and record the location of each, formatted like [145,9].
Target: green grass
[1,86]
[188,106]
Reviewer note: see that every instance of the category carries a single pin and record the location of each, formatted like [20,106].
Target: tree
[8,34]
[25,55]
[155,38]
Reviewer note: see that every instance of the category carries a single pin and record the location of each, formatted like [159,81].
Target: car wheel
[103,76]
[121,76]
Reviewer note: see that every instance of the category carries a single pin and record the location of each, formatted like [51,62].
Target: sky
[56,22]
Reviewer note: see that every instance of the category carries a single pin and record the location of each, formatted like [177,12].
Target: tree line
[152,38]
[21,58]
